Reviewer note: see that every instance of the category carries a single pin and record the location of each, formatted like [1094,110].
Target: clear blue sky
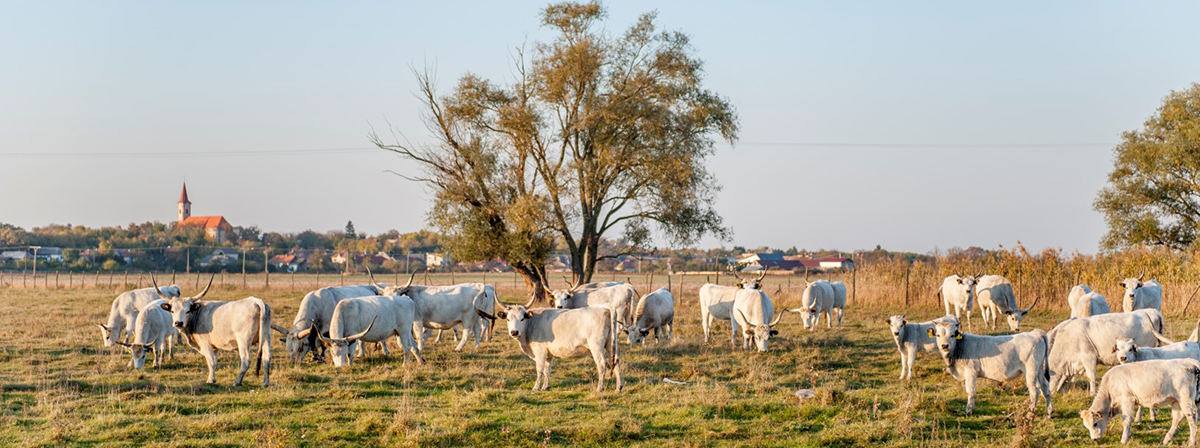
[85,77]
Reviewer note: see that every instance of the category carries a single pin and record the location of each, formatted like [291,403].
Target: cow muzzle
[514,333]
[945,347]
[179,324]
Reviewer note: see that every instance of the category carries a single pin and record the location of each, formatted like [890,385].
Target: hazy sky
[942,87]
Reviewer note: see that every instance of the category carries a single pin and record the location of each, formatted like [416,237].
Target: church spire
[183,199]
[184,207]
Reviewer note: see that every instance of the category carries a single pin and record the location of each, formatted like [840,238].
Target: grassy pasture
[61,388]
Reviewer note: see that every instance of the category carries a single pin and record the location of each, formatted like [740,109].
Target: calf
[1077,345]
[547,333]
[1171,382]
[1139,295]
[382,316]
[997,358]
[912,338]
[125,309]
[752,312]
[152,332]
[655,311]
[958,294]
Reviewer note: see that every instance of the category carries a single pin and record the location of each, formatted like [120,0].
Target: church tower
[185,206]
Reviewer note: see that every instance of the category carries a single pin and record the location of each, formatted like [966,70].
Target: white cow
[958,295]
[1125,388]
[1086,303]
[996,297]
[752,311]
[819,297]
[997,358]
[1077,345]
[716,301]
[381,316]
[152,332]
[912,338]
[655,311]
[317,306]
[125,309]
[617,296]
[548,333]
[444,307]
[1140,295]
[209,326]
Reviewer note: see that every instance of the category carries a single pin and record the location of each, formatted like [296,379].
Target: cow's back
[996,290]
[839,294]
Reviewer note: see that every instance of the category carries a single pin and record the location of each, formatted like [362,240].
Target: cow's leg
[539,365]
[210,357]
[969,385]
[1127,407]
[1089,370]
[601,365]
[705,322]
[732,333]
[462,342]
[244,355]
[437,339]
[158,351]
[383,345]
[1031,383]
[910,360]
[946,305]
[419,334]
[1176,415]
[840,312]
[1189,412]
[829,318]
[546,373]
[1044,386]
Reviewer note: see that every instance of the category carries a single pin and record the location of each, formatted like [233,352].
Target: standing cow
[752,311]
[444,307]
[655,311]
[716,301]
[997,358]
[152,332]
[911,338]
[1125,388]
[1077,345]
[958,294]
[209,326]
[820,297]
[381,316]
[1139,295]
[617,296]
[316,309]
[548,333]
[996,297]
[1086,303]
[125,309]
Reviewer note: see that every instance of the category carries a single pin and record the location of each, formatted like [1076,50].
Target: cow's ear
[166,306]
[645,332]
[749,332]
[774,332]
[959,280]
[1007,312]
[283,340]
[930,331]
[1114,350]
[1098,414]
[195,306]
[1134,349]
[957,334]
[501,314]
[739,286]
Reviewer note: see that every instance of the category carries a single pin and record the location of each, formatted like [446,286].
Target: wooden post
[907,270]
[172,277]
[197,281]
[243,268]
[55,279]
[650,283]
[853,282]
[187,261]
[293,276]
[125,281]
[718,276]
[318,286]
[110,279]
[70,278]
[266,271]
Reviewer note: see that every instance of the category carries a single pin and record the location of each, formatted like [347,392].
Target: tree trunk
[535,277]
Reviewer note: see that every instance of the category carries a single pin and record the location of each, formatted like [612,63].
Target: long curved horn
[205,291]
[499,304]
[304,333]
[1143,274]
[279,329]
[373,281]
[106,330]
[363,333]
[762,275]
[124,344]
[157,290]
[772,324]
[410,280]
[547,289]
[1035,301]
[744,317]
[323,338]
[529,303]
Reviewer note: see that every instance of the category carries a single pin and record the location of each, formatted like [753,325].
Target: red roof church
[215,227]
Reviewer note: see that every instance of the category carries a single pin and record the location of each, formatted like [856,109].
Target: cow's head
[637,334]
[760,332]
[343,348]
[1015,316]
[109,333]
[184,310]
[138,351]
[395,290]
[1131,285]
[946,336]
[1125,350]
[1095,422]
[897,323]
[517,316]
[751,283]
[560,296]
[969,282]
[299,343]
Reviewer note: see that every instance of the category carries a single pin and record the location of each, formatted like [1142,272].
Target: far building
[215,227]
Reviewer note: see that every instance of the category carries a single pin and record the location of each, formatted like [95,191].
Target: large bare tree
[594,133]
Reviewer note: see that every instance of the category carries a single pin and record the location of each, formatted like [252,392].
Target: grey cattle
[911,338]
[819,297]
[152,332]
[125,309]
[752,311]
[444,307]
[548,333]
[716,301]
[1077,345]
[372,319]
[958,295]
[1086,303]
[209,326]
[996,297]
[317,307]
[1141,295]
[1172,382]
[654,311]
[1127,351]
[998,358]
[617,296]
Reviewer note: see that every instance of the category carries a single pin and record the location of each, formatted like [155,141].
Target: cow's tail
[1046,358]
[1195,337]
[616,353]
[264,342]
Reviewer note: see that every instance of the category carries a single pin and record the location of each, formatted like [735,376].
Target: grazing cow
[125,309]
[152,332]
[1140,295]
[209,326]
[548,333]
[912,338]
[382,316]
[1077,345]
[818,297]
[958,293]
[995,296]
[1086,303]
[655,311]
[997,358]
[617,296]
[317,307]
[716,301]
[1171,382]
[752,311]
[444,307]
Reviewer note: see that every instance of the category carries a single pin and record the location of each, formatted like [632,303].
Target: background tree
[595,133]
[1153,191]
[350,233]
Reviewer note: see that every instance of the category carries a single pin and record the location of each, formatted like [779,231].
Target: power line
[252,152]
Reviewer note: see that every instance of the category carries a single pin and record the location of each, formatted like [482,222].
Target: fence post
[854,283]
[267,272]
[907,270]
[55,279]
[125,281]
[110,278]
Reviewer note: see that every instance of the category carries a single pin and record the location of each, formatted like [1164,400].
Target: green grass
[59,387]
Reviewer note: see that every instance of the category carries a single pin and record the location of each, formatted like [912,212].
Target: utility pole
[35,251]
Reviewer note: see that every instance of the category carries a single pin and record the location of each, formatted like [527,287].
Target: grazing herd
[1147,368]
